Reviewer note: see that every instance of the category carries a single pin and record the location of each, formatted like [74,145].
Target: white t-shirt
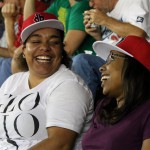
[136,12]
[62,100]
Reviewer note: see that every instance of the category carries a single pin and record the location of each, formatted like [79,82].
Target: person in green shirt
[70,13]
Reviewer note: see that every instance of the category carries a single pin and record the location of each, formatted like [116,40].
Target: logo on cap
[38,18]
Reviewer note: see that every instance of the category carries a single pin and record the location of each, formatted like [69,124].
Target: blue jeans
[87,67]
[5,69]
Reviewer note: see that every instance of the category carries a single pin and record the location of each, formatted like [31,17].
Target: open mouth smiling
[44,59]
[104,78]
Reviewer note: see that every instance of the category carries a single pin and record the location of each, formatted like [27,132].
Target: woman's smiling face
[112,75]
[43,52]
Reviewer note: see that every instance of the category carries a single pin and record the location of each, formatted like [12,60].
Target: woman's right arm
[58,139]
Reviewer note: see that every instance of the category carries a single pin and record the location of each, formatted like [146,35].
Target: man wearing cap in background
[48,107]
[122,118]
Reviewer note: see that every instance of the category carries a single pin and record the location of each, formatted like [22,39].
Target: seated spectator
[113,22]
[4,54]
[49,106]
[122,118]
[70,12]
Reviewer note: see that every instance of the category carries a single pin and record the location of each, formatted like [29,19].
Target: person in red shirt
[12,12]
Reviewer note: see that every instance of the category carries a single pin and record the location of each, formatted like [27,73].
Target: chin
[105,92]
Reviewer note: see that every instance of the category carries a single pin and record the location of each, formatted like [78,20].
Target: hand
[97,16]
[10,11]
[93,31]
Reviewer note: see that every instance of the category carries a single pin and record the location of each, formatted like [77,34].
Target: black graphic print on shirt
[17,114]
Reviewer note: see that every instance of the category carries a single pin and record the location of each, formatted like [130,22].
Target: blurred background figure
[117,18]
[70,12]
[12,12]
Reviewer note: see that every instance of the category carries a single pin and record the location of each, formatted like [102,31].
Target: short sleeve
[69,106]
[138,14]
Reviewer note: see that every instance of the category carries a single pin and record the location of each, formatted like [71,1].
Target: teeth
[104,78]
[43,59]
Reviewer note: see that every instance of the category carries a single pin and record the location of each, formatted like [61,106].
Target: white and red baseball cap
[133,46]
[37,21]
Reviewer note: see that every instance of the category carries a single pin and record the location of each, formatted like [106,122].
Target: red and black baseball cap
[133,46]
[37,21]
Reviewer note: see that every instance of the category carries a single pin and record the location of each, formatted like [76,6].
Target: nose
[102,68]
[45,46]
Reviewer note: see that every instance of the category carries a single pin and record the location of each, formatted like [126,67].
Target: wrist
[9,20]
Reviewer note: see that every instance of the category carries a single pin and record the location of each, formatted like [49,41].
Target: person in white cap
[122,118]
[48,107]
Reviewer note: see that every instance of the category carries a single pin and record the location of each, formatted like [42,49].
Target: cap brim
[103,49]
[39,25]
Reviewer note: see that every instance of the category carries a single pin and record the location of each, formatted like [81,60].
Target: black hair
[136,87]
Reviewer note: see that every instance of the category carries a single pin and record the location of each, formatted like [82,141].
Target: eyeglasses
[112,56]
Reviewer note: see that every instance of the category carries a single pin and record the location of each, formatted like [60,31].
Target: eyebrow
[38,35]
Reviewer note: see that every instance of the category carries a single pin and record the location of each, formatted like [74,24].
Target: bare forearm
[29,8]
[10,13]
[73,43]
[4,52]
[56,140]
[10,35]
[50,144]
[123,29]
